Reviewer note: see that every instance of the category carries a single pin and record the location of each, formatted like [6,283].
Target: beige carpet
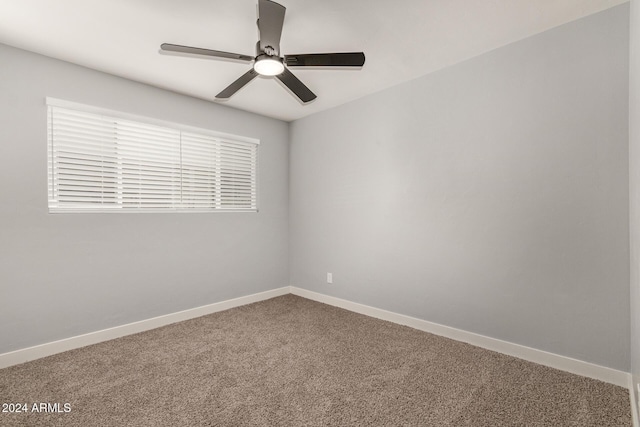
[290,361]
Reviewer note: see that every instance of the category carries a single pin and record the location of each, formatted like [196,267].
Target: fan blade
[296,86]
[237,85]
[347,59]
[270,20]
[208,52]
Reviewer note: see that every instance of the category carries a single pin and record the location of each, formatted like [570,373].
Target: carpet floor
[289,361]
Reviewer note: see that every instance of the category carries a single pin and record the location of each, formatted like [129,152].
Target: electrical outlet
[329,277]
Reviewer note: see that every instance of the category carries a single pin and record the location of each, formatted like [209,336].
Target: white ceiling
[402,40]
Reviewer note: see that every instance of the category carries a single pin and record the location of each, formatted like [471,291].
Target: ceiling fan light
[268,66]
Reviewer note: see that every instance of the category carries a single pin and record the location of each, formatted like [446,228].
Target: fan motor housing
[268,50]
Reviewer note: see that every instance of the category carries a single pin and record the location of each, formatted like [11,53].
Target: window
[115,163]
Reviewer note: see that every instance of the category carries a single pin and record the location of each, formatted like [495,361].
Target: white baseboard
[541,357]
[48,349]
[633,397]
[564,363]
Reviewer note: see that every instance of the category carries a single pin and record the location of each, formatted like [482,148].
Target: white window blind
[103,163]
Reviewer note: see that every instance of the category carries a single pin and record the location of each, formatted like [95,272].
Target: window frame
[225,138]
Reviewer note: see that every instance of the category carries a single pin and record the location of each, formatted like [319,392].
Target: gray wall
[490,196]
[66,274]
[634,189]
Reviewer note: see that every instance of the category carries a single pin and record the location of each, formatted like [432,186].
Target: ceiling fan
[268,61]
